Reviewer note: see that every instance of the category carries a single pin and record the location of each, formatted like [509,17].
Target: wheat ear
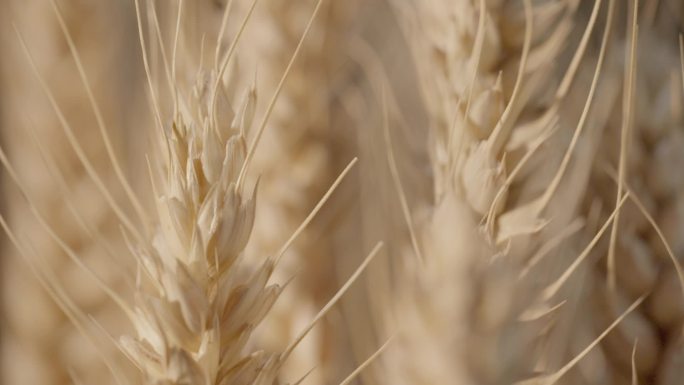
[204,298]
[498,184]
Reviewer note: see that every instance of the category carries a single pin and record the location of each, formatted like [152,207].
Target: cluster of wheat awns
[190,188]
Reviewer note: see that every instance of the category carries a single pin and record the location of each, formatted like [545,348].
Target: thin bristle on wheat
[296,164]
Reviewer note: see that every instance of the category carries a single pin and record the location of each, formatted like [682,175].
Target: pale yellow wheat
[511,159]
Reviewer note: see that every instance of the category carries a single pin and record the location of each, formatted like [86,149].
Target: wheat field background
[419,192]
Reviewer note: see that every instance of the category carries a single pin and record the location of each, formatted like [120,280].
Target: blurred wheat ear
[512,150]
[39,345]
[298,160]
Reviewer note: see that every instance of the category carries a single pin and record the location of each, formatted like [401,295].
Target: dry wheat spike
[511,158]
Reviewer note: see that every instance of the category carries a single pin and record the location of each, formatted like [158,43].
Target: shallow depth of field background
[387,82]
